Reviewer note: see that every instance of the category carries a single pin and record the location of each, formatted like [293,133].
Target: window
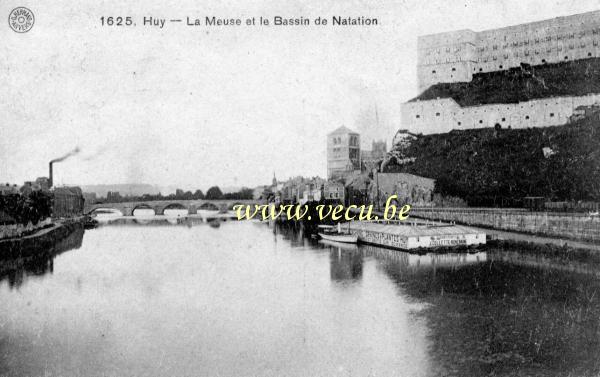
[526,116]
[500,67]
[551,114]
[480,121]
[459,123]
[437,114]
[453,69]
[566,58]
[433,71]
[504,119]
[418,116]
[589,54]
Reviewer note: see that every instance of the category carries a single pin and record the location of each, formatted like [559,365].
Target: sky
[194,107]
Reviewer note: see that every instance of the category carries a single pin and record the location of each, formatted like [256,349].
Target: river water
[246,299]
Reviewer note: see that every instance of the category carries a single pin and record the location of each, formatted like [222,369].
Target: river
[246,299]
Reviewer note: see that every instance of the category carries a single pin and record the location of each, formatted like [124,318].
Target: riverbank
[46,239]
[575,227]
[547,245]
[13,231]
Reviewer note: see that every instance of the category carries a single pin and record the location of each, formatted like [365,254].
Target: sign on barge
[417,236]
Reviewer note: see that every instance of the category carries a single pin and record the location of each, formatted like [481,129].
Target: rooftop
[342,130]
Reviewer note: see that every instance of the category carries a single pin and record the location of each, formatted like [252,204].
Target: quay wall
[573,226]
[18,230]
[61,236]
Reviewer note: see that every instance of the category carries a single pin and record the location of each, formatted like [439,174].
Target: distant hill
[131,189]
[488,167]
[572,78]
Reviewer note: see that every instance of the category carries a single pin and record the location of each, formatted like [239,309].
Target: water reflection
[498,312]
[345,262]
[37,259]
[493,318]
[159,297]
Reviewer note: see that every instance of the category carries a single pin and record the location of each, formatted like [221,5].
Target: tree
[40,206]
[246,193]
[214,193]
[198,194]
[24,209]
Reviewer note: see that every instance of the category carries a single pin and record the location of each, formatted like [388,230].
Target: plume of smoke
[95,154]
[71,153]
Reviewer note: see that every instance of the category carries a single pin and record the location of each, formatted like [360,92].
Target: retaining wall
[574,226]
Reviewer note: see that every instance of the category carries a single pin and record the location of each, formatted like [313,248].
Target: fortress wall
[455,56]
[444,115]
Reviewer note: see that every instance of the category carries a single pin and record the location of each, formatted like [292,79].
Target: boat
[339,246]
[338,235]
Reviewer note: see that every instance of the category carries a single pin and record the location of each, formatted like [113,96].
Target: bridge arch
[208,206]
[173,206]
[106,211]
[143,206]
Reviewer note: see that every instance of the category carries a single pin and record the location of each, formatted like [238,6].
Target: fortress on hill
[529,75]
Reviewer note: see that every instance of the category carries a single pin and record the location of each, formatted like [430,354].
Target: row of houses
[374,188]
[301,190]
[66,201]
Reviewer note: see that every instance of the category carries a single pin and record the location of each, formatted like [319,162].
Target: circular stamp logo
[21,19]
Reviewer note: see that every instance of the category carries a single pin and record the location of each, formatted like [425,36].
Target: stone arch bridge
[159,206]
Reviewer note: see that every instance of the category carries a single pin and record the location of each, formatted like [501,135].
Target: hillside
[125,189]
[488,167]
[572,78]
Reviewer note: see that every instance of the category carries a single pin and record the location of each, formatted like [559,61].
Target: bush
[24,209]
[488,167]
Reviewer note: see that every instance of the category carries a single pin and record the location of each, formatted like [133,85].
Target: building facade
[410,189]
[67,202]
[333,190]
[8,189]
[455,56]
[343,153]
[371,159]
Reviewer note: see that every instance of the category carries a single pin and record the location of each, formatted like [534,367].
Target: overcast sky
[196,106]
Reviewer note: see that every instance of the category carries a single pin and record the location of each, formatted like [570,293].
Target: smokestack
[50,179]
